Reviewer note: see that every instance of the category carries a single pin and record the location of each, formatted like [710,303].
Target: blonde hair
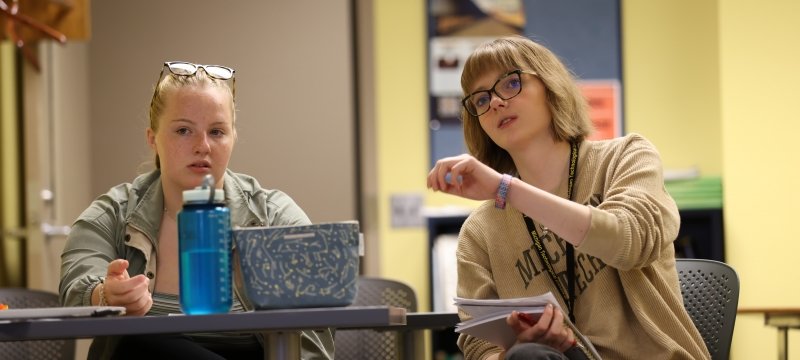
[570,118]
[169,83]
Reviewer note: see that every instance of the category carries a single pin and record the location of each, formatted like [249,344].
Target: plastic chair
[710,294]
[17,298]
[373,344]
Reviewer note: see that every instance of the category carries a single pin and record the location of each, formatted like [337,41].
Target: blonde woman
[123,249]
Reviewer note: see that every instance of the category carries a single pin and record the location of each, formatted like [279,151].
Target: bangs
[497,55]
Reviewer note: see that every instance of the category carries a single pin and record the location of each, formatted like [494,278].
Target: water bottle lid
[201,195]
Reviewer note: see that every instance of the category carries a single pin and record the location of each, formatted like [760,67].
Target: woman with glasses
[589,221]
[123,249]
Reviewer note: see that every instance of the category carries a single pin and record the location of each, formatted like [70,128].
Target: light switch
[407,210]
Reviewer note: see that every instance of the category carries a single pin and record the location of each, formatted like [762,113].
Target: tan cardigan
[629,302]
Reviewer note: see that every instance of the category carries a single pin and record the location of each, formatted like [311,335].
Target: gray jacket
[124,224]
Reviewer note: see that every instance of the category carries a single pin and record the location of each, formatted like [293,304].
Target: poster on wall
[447,57]
[603,100]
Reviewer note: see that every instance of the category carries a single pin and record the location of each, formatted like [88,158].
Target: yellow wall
[671,80]
[712,83]
[400,110]
[759,74]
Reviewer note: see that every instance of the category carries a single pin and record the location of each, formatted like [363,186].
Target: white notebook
[488,320]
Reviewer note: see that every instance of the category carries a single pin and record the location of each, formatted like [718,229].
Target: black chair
[373,344]
[710,294]
[17,298]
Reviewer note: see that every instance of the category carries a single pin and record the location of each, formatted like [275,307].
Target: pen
[526,318]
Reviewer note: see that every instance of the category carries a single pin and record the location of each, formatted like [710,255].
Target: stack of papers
[488,320]
[59,312]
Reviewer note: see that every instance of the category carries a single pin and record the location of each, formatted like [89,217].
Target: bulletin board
[585,34]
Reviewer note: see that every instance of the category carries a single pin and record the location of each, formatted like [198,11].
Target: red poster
[604,108]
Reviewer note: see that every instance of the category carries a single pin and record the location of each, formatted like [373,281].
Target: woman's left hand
[548,330]
[464,176]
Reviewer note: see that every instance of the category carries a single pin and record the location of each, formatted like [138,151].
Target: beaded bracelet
[102,295]
[502,192]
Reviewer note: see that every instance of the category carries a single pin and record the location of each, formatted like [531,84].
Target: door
[56,156]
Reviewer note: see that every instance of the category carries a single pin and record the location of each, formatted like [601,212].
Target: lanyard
[567,294]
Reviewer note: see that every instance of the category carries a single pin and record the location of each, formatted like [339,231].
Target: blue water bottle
[204,241]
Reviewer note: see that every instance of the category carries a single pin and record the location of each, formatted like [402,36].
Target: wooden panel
[69,17]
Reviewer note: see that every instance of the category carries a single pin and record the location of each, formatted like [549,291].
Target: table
[781,318]
[422,321]
[283,341]
[429,320]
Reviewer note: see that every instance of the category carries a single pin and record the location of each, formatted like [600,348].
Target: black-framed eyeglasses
[506,87]
[184,68]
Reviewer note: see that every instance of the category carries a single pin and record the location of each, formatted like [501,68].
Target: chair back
[17,298]
[710,294]
[373,344]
